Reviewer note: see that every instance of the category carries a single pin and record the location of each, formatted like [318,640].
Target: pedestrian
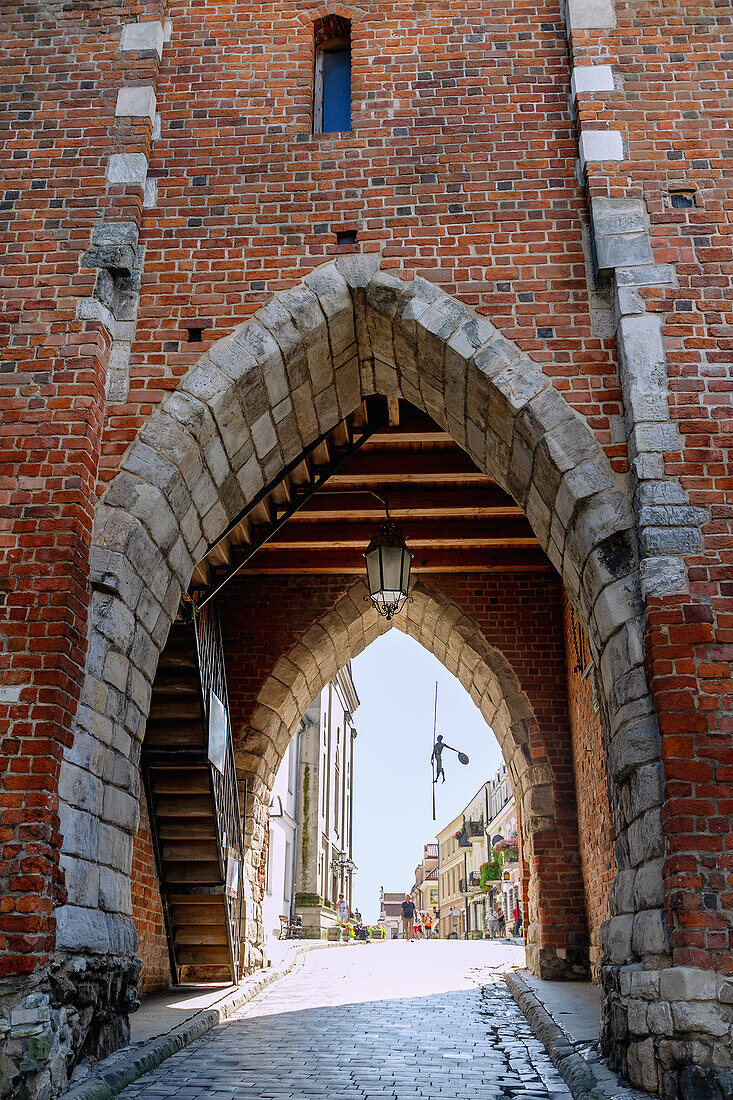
[517,915]
[342,911]
[428,925]
[357,917]
[408,917]
[500,924]
[417,927]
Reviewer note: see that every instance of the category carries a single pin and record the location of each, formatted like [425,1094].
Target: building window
[332,84]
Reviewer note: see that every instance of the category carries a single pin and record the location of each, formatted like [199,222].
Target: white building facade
[310,856]
[279,897]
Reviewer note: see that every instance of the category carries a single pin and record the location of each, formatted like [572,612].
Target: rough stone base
[558,964]
[669,1030]
[76,1008]
[316,921]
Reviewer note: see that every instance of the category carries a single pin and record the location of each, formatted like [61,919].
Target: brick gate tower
[263,260]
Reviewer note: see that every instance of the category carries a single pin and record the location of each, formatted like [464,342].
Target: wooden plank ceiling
[320,516]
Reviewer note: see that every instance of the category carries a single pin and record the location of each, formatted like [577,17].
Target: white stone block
[10,693]
[141,37]
[592,78]
[587,14]
[136,101]
[688,983]
[127,168]
[600,145]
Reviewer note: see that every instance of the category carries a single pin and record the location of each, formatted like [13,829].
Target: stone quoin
[536,259]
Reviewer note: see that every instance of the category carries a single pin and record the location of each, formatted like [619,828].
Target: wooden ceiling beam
[410,466]
[429,561]
[390,436]
[482,500]
[449,533]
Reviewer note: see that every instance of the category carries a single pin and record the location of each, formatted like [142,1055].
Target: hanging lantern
[388,564]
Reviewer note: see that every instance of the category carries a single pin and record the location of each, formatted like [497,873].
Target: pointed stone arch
[441,627]
[250,406]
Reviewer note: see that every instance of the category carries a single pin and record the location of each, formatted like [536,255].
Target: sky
[393,818]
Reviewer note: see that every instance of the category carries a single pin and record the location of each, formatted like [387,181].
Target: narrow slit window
[332,85]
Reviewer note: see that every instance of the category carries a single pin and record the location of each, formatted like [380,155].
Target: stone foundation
[55,1019]
[558,964]
[669,1031]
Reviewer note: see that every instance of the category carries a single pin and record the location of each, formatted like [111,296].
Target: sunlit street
[395,1019]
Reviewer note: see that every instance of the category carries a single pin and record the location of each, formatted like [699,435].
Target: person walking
[428,925]
[342,910]
[408,917]
[500,924]
[517,915]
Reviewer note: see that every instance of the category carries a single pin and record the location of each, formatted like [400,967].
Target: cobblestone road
[370,1021]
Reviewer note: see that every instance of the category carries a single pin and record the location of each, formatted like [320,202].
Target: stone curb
[572,1067]
[115,1073]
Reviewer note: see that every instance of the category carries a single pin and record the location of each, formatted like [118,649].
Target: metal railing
[223,773]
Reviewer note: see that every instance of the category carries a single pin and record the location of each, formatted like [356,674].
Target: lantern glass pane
[392,570]
[374,579]
[406,563]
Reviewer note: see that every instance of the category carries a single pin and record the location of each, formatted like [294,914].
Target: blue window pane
[336,90]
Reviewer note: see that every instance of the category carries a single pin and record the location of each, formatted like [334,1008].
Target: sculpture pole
[432,758]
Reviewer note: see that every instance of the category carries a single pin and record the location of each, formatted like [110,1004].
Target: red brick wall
[519,614]
[674,119]
[461,121]
[462,167]
[61,71]
[595,831]
[147,910]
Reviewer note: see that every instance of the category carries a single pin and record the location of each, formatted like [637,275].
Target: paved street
[367,1021]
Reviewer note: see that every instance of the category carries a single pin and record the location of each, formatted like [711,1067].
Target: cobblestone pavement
[377,1020]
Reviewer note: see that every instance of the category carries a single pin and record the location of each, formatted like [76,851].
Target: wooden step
[202,872]
[178,657]
[193,936]
[175,734]
[187,829]
[199,916]
[184,781]
[205,954]
[181,851]
[180,649]
[191,806]
[184,708]
[175,682]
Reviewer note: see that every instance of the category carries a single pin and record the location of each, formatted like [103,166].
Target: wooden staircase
[194,806]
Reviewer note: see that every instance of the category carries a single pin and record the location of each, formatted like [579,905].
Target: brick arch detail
[308,18]
[249,407]
[446,631]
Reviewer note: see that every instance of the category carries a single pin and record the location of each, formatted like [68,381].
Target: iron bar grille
[227,806]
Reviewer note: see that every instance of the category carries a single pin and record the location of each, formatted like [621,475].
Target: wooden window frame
[329,45]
